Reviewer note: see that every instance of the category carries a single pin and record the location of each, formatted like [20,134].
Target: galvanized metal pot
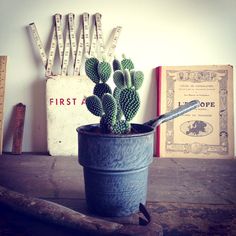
[116,166]
[115,169]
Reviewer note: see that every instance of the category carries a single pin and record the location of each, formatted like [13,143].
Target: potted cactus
[115,154]
[118,109]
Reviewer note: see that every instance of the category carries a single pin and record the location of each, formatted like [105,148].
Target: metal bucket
[115,169]
[116,166]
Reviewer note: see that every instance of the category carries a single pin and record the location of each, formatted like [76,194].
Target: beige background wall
[155,32]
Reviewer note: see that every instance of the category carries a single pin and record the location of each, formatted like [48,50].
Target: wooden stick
[55,213]
[18,128]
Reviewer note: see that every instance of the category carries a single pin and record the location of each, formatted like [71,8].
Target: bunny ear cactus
[137,78]
[119,79]
[100,89]
[94,105]
[91,65]
[116,95]
[104,71]
[129,103]
[116,65]
[127,63]
[117,110]
[121,127]
[110,108]
[99,73]
[124,64]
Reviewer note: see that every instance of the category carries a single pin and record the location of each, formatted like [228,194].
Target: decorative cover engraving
[196,128]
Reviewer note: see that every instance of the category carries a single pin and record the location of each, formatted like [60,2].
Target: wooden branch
[55,213]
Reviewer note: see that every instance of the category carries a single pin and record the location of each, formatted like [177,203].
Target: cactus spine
[117,110]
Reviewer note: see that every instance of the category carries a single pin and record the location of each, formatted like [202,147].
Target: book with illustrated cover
[206,132]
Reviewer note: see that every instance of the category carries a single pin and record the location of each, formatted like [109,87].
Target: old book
[206,132]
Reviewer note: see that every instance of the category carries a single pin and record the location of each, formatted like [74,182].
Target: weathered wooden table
[185,196]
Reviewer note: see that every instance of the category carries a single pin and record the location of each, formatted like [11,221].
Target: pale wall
[155,32]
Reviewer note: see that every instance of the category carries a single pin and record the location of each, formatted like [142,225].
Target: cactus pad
[105,124]
[127,78]
[91,65]
[129,103]
[121,127]
[116,65]
[104,71]
[127,63]
[119,79]
[94,105]
[137,79]
[116,95]
[100,89]
[132,72]
[110,108]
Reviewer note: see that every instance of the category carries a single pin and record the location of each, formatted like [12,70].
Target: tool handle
[173,114]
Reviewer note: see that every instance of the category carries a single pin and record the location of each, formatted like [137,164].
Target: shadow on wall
[38,122]
[38,88]
[8,136]
[151,105]
[38,108]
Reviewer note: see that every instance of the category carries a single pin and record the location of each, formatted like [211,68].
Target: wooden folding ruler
[3,64]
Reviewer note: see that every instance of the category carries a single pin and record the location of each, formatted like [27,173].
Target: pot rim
[144,130]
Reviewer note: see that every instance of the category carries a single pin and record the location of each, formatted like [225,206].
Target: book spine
[158,81]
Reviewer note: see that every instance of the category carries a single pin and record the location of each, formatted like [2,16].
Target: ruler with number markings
[39,44]
[71,18]
[52,52]
[76,49]
[115,37]
[3,65]
[98,23]
[66,53]
[86,33]
[79,53]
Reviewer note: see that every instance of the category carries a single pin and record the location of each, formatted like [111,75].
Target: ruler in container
[66,53]
[71,18]
[115,37]
[60,40]
[47,61]
[52,52]
[3,65]
[76,48]
[98,24]
[93,46]
[86,33]
[39,44]
[81,45]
